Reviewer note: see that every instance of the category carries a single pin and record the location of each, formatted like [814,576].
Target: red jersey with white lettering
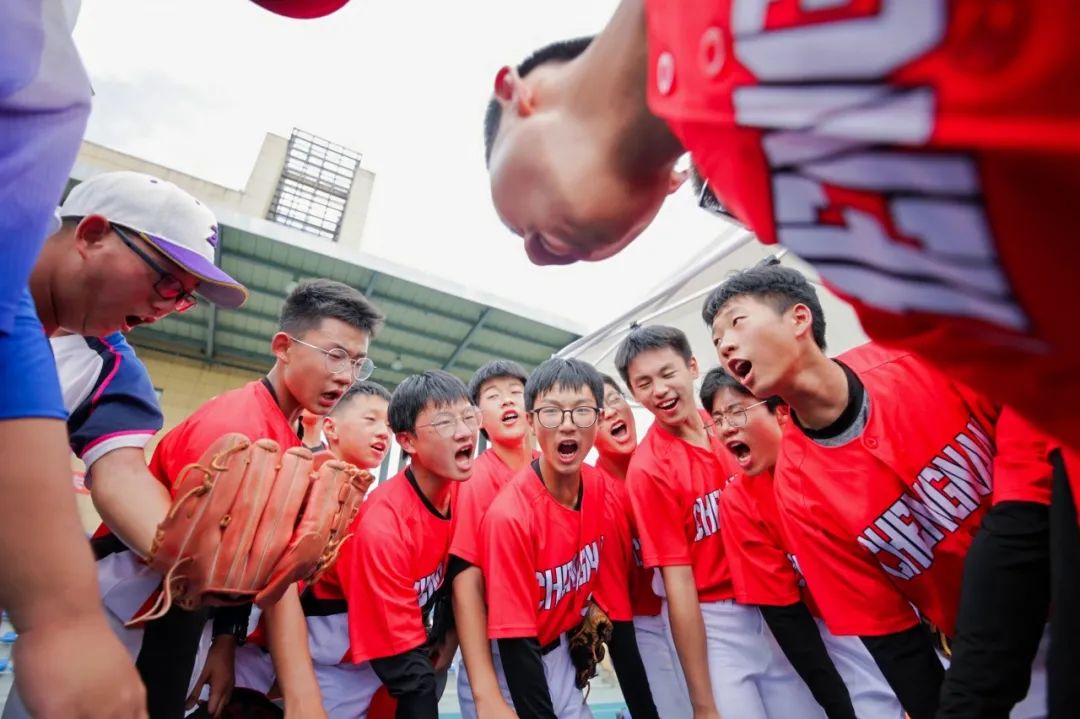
[625,587]
[542,558]
[763,567]
[392,567]
[924,157]
[675,492]
[490,474]
[883,522]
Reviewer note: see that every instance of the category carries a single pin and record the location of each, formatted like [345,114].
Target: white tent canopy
[678,302]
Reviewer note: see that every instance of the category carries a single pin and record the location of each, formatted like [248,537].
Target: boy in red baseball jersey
[321,349]
[675,480]
[910,151]
[838,670]
[392,570]
[542,540]
[498,390]
[626,584]
[884,477]
[357,432]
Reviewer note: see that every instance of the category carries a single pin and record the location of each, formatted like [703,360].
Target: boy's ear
[407,442]
[783,414]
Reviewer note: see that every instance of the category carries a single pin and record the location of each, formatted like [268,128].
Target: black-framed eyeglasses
[553,417]
[168,286]
[736,418]
[708,201]
[445,423]
[338,359]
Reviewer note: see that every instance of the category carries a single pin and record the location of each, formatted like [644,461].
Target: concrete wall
[253,200]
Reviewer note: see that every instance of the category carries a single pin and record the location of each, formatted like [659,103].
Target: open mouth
[741,450]
[509,417]
[567,449]
[132,321]
[464,456]
[619,430]
[329,399]
[668,404]
[379,447]
[740,368]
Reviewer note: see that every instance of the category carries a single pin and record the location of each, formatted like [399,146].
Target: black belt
[104,546]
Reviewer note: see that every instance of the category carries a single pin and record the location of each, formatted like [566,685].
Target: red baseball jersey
[923,156]
[675,491]
[392,567]
[763,567]
[543,558]
[882,523]
[625,586]
[490,474]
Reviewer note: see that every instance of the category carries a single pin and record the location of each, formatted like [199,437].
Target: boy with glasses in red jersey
[392,570]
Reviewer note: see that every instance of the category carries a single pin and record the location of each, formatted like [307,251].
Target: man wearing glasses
[675,481]
[393,569]
[129,250]
[541,543]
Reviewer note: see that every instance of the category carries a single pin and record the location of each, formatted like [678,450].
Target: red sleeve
[186,443]
[374,566]
[616,556]
[662,513]
[1022,470]
[473,499]
[853,593]
[760,568]
[511,587]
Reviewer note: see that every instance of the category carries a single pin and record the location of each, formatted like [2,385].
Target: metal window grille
[314,185]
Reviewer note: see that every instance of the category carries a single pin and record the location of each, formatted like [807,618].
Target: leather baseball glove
[587,642]
[248,520]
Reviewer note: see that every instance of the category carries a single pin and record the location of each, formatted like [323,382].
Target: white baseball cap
[174,222]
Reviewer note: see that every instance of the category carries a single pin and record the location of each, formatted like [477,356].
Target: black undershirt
[847,418]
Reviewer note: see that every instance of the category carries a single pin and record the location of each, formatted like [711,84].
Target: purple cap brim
[215,285]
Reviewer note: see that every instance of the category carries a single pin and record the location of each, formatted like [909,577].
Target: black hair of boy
[363,388]
[495,369]
[434,388]
[777,286]
[561,51]
[611,381]
[647,339]
[558,373]
[315,300]
[717,379]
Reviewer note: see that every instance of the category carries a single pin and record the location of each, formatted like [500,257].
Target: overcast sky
[195,85]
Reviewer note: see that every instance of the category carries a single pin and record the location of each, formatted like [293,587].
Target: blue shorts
[28,383]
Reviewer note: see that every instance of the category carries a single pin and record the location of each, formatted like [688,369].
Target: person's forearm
[911,667]
[286,631]
[130,500]
[797,634]
[37,502]
[470,616]
[630,670]
[688,632]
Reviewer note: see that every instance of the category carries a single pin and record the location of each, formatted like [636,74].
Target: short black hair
[495,369]
[363,388]
[717,379]
[315,300]
[561,51]
[436,387]
[776,285]
[608,379]
[560,373]
[645,339]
